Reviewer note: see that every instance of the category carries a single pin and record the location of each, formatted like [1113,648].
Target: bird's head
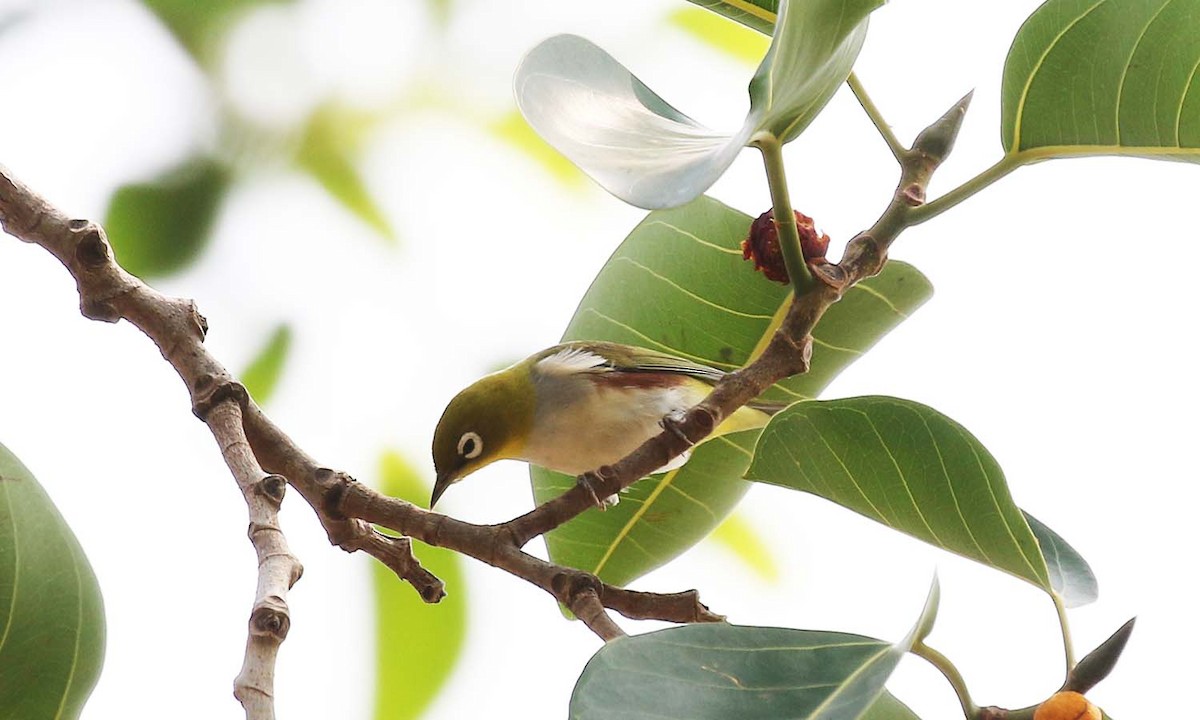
[486,422]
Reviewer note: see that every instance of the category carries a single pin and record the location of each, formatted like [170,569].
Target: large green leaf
[1070,575]
[637,146]
[907,466]
[811,55]
[160,227]
[887,707]
[1097,77]
[417,644]
[678,284]
[719,671]
[658,517]
[51,612]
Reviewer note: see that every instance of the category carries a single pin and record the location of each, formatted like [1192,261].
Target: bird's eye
[470,445]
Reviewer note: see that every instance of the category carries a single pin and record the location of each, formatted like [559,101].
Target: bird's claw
[673,424]
[591,480]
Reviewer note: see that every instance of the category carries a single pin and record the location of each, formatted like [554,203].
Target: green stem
[936,207]
[785,217]
[947,668]
[1068,645]
[872,111]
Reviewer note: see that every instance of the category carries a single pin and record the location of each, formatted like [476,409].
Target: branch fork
[260,455]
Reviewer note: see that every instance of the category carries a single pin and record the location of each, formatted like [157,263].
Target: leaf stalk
[872,110]
[953,676]
[785,217]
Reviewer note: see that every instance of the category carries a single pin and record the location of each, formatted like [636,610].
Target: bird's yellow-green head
[486,422]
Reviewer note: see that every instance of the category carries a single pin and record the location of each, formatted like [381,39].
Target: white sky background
[1059,335]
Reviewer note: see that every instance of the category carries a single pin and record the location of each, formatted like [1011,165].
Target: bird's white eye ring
[470,445]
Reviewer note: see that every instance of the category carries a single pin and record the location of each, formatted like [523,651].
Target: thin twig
[868,105]
[278,568]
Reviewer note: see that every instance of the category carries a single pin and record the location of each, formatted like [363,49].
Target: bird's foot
[591,480]
[673,424]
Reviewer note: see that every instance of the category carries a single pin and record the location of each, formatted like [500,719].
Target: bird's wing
[600,357]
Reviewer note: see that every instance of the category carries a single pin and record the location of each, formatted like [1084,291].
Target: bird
[573,408]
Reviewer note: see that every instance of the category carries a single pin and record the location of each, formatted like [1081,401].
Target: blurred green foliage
[196,22]
[262,375]
[731,38]
[327,153]
[417,644]
[512,129]
[738,535]
[160,227]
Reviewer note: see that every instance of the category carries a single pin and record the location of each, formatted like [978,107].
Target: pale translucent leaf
[628,139]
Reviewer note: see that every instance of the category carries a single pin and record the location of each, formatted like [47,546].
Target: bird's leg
[590,481]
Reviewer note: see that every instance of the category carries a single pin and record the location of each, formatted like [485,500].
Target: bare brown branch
[278,568]
[347,509]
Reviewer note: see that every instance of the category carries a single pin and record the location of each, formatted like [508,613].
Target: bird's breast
[583,423]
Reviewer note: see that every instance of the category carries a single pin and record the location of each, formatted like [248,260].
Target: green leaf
[51,612]
[698,299]
[907,466]
[327,153]
[637,146]
[812,53]
[1105,77]
[262,375]
[739,536]
[657,518]
[1070,575]
[160,227]
[195,24]
[739,42]
[417,644]
[720,671]
[755,14]
[887,707]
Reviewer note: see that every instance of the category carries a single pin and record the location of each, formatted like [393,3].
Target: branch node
[272,487]
[705,421]
[831,275]
[99,309]
[335,484]
[199,322]
[271,619]
[211,389]
[912,195]
[91,249]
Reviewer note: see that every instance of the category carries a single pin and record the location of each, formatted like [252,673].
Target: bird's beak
[444,480]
